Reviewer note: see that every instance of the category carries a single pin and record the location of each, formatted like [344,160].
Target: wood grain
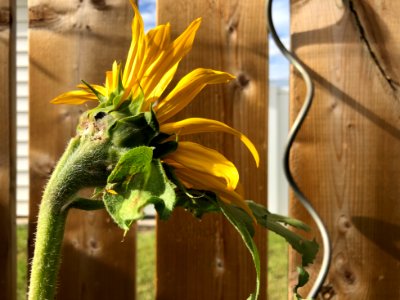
[206,259]
[70,41]
[347,156]
[7,152]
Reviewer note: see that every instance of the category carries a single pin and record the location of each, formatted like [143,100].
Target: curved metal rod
[286,160]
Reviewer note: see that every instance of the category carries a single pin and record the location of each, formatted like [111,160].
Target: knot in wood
[327,292]
[100,4]
[41,15]
[344,224]
[243,80]
[5,17]
[219,265]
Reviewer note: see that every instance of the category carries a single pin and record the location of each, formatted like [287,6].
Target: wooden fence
[7,152]
[347,157]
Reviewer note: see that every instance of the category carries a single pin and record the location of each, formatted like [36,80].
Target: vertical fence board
[207,259]
[347,156]
[70,41]
[7,151]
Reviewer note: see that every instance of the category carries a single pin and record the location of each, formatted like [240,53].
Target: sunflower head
[147,162]
[138,156]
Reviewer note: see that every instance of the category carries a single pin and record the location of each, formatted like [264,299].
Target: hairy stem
[82,164]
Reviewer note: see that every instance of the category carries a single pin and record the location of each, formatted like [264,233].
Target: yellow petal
[160,88]
[115,76]
[200,125]
[202,159]
[74,97]
[136,52]
[201,181]
[109,82]
[158,40]
[112,78]
[188,88]
[159,74]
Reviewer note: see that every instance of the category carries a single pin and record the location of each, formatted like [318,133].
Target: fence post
[347,156]
[7,151]
[70,41]
[207,259]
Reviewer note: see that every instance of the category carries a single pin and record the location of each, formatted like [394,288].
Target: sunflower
[151,64]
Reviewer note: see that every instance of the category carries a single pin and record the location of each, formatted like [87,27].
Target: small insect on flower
[111,192]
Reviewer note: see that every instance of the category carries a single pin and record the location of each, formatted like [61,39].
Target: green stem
[82,164]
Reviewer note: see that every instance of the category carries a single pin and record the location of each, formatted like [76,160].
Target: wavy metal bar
[286,160]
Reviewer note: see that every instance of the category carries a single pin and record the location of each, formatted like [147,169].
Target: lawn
[277,265]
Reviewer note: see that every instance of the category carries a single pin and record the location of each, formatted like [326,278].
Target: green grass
[22,243]
[146,265]
[277,265]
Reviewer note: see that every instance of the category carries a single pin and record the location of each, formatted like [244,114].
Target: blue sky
[278,66]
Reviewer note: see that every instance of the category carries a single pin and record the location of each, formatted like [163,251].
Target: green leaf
[306,248]
[133,161]
[137,182]
[244,225]
[163,190]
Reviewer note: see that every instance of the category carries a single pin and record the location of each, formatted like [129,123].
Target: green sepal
[132,107]
[134,130]
[161,137]
[165,148]
[135,105]
[308,249]
[116,98]
[99,96]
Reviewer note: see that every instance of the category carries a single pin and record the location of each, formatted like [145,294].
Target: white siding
[22,110]
[278,126]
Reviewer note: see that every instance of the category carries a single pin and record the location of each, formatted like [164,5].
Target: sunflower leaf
[306,248]
[244,225]
[132,162]
[137,181]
